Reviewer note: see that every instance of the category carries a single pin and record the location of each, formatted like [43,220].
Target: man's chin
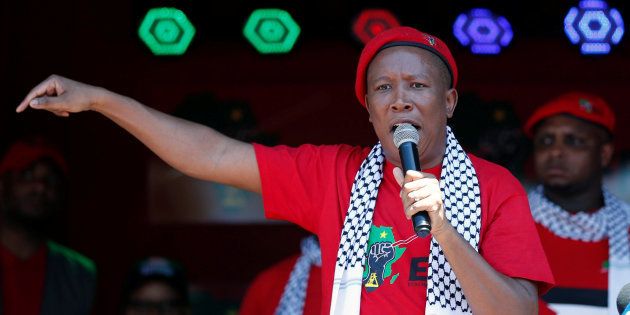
[559,187]
[556,181]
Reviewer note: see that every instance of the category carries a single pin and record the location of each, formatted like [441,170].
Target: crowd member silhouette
[491,130]
[292,286]
[156,285]
[39,276]
[583,227]
[483,256]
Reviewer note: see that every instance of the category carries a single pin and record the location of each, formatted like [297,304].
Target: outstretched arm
[194,149]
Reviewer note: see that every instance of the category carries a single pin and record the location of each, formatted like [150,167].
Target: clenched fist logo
[380,254]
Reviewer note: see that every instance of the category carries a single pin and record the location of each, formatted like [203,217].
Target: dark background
[304,96]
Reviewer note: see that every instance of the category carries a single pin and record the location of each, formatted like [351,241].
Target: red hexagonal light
[371,22]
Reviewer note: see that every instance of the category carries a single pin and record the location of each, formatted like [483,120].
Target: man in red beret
[38,275]
[583,227]
[483,256]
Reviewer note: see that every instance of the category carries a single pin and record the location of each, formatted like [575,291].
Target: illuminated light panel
[370,22]
[485,32]
[595,48]
[271,31]
[166,31]
[594,27]
[572,34]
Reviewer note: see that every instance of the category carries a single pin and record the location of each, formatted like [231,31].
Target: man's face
[34,194]
[570,154]
[406,85]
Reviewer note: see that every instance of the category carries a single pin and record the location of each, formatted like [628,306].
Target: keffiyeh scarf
[610,222]
[461,195]
[294,295]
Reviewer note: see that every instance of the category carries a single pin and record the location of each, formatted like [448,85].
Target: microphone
[406,139]
[623,300]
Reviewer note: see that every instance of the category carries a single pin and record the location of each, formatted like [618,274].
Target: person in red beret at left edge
[483,254]
[38,275]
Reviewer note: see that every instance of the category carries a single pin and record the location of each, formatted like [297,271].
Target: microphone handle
[410,161]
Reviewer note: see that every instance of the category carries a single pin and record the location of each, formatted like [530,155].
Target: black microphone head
[406,133]
[623,299]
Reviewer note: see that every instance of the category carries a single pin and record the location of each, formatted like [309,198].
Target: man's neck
[586,200]
[19,241]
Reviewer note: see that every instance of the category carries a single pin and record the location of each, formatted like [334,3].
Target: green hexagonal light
[271,31]
[166,31]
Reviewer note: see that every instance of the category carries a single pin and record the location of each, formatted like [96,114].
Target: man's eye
[544,142]
[574,141]
[417,85]
[383,87]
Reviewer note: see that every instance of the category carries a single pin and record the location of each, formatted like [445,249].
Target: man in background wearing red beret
[583,227]
[483,256]
[38,276]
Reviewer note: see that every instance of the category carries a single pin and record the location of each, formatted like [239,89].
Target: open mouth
[398,124]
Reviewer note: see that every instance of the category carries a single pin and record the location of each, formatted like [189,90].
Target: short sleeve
[298,183]
[509,239]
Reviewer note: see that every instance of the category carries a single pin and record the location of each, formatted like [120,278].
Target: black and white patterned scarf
[610,222]
[461,195]
[294,295]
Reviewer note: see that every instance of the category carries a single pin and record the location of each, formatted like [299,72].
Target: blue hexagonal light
[484,31]
[594,26]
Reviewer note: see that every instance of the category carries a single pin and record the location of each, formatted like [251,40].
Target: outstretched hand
[61,96]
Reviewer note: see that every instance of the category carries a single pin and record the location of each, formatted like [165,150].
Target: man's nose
[557,149]
[401,101]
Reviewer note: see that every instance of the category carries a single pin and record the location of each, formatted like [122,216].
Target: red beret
[401,36]
[581,105]
[22,154]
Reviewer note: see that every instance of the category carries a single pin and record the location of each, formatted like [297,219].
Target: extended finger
[39,90]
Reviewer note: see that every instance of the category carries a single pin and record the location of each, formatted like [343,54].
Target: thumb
[49,103]
[398,175]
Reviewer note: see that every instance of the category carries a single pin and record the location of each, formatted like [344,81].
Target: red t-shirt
[22,282]
[264,294]
[310,186]
[579,268]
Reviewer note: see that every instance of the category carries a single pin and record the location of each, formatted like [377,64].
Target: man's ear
[607,150]
[451,102]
